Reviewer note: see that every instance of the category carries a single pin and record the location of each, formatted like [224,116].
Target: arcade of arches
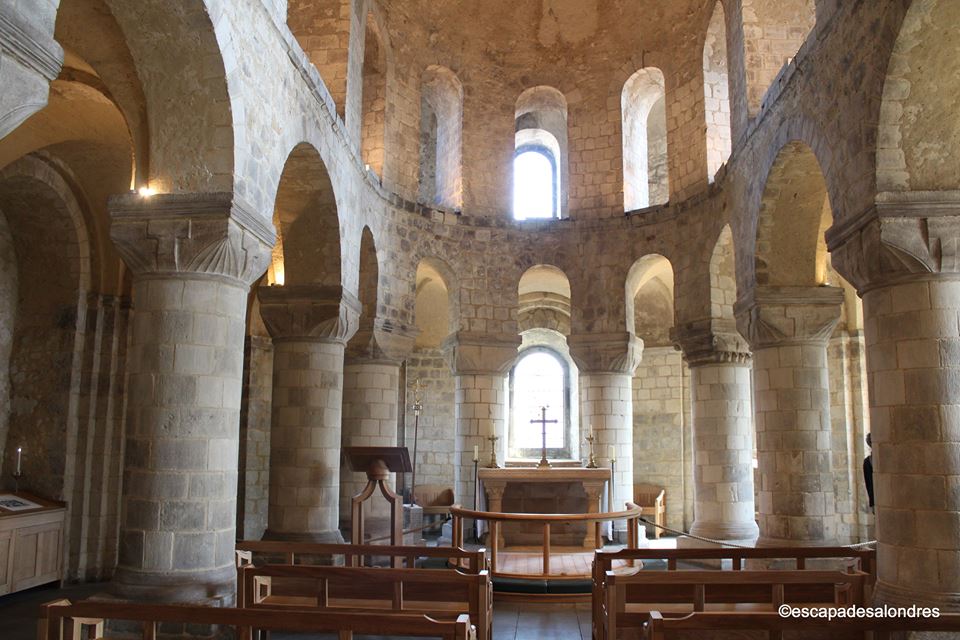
[233,233]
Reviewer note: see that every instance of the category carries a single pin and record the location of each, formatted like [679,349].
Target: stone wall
[437,421]
[254,470]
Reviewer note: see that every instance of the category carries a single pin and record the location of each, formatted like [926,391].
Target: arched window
[645,165]
[535,183]
[540,378]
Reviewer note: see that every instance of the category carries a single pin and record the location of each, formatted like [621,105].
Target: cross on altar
[543,422]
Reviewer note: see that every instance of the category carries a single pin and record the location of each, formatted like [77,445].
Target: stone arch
[308,248]
[773,32]
[177,50]
[646,179]
[540,119]
[716,92]
[374,93]
[543,294]
[918,145]
[649,299]
[367,292]
[322,28]
[46,268]
[793,215]
[441,137]
[436,308]
[723,280]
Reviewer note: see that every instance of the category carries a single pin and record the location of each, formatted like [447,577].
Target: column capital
[714,341]
[606,352]
[207,234]
[481,353]
[903,237]
[383,342]
[775,316]
[309,312]
[30,59]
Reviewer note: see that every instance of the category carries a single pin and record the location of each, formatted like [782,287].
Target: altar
[556,489]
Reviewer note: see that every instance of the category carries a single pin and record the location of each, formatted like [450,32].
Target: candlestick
[591,462]
[612,451]
[476,453]
[19,458]
[493,453]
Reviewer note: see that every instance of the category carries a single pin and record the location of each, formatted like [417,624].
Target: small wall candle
[19,458]
[476,453]
[613,453]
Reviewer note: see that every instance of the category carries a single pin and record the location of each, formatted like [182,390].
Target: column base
[742,533]
[214,587]
[895,596]
[319,537]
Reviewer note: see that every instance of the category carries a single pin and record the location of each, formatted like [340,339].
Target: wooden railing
[496,519]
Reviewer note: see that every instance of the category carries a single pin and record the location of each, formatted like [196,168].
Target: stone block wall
[437,420]
[662,453]
[254,471]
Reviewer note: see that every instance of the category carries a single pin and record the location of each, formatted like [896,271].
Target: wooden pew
[773,626]
[62,620]
[354,555]
[384,591]
[861,559]
[629,598]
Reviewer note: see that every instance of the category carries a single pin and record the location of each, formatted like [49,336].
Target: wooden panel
[6,560]
[37,550]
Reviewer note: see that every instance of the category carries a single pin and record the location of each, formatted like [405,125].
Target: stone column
[606,363]
[788,329]
[310,326]
[719,362]
[901,256]
[371,393]
[479,363]
[193,258]
[30,59]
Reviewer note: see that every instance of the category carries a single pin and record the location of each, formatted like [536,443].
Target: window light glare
[146,192]
[533,186]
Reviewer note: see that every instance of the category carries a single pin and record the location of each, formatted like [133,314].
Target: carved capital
[714,341]
[776,316]
[479,353]
[902,237]
[309,312]
[606,352]
[210,234]
[384,341]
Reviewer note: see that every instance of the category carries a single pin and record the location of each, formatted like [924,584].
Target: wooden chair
[630,598]
[435,499]
[63,620]
[773,625]
[437,594]
[652,499]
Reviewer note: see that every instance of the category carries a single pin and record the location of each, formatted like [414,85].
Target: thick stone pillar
[310,326]
[719,362]
[30,59]
[606,363]
[193,258]
[479,363]
[901,256]
[788,329]
[371,394]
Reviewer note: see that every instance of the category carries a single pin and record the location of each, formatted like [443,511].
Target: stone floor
[511,621]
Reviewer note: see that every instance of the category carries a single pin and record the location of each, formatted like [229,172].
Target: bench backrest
[662,628]
[62,619]
[355,555]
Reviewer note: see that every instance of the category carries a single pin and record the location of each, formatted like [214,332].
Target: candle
[476,453]
[19,457]
[613,453]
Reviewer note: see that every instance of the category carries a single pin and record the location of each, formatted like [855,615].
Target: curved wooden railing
[495,519]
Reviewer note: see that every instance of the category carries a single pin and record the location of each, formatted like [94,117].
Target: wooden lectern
[378,463]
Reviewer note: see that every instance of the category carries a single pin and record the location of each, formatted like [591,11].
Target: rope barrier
[726,543]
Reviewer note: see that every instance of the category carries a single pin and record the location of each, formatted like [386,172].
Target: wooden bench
[356,555]
[773,626]
[385,591]
[860,559]
[629,598]
[62,620]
